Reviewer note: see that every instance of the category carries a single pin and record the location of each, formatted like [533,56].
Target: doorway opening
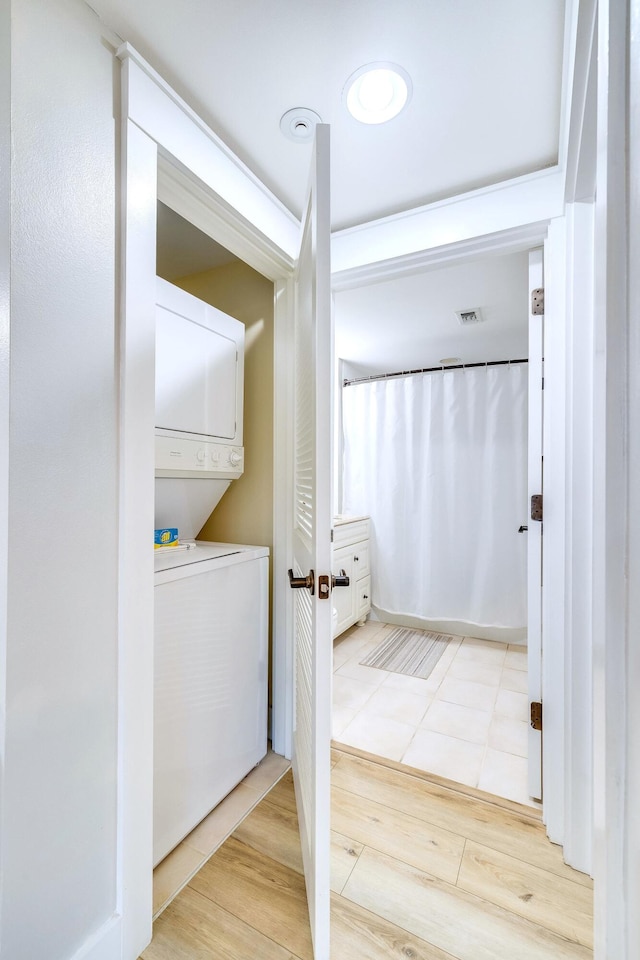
[468,719]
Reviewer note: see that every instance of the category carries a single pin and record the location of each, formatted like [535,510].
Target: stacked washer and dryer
[211,599]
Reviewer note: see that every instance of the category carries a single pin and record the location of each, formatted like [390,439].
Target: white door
[312,544]
[534,548]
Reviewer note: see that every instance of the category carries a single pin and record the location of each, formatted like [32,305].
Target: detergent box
[167,537]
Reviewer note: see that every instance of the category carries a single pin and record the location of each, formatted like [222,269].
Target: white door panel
[312,544]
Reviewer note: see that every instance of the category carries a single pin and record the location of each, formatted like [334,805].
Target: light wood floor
[421,869]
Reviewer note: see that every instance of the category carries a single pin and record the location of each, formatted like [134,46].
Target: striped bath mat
[413,652]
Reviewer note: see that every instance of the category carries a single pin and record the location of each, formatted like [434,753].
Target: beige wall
[245,513]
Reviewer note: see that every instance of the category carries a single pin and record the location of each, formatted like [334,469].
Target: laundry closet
[214,482]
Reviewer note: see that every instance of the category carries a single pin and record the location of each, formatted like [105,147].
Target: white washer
[210,680]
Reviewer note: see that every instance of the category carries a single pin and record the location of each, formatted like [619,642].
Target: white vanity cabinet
[351,554]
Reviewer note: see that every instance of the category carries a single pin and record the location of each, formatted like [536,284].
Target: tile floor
[468,722]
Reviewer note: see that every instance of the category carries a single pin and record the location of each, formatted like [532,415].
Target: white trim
[581,106]
[515,203]
[512,240]
[164,116]
[579,506]
[283,655]
[211,214]
[554,550]
[570,54]
[633,612]
[155,120]
[135,577]
[5,371]
[105,943]
[616,535]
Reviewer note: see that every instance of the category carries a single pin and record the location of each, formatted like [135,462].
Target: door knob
[342,580]
[300,583]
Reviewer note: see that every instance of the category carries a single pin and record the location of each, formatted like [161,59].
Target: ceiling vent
[473,315]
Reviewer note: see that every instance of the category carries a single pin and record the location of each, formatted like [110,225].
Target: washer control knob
[235,458]
[200,455]
[215,456]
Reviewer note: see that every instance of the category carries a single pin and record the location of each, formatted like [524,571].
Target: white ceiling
[486,106]
[410,322]
[486,88]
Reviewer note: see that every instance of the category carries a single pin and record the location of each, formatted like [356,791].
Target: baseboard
[459,628]
[105,943]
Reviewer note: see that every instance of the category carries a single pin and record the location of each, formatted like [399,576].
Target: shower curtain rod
[408,373]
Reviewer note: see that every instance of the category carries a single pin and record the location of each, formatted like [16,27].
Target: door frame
[168,151]
[210,213]
[245,217]
[542,235]
[535,451]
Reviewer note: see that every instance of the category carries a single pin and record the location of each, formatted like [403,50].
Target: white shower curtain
[439,463]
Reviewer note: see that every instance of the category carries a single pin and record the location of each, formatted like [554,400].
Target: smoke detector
[472,315]
[299,124]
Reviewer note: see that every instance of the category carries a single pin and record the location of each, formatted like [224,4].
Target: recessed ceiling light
[299,124]
[377,92]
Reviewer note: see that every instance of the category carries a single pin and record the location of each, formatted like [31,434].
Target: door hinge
[537,302]
[536,715]
[536,506]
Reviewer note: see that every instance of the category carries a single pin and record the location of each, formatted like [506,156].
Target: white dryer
[199,408]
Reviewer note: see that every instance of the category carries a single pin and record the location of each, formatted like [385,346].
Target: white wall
[616,618]
[633,661]
[59,798]
[5,242]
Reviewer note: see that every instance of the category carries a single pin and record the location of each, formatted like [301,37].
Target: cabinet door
[363,597]
[361,566]
[343,598]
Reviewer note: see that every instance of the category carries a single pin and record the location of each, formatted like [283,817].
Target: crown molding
[491,244]
[165,117]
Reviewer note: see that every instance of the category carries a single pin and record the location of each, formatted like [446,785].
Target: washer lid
[168,560]
[202,552]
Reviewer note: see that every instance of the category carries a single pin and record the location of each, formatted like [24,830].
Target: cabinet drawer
[363,599]
[349,532]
